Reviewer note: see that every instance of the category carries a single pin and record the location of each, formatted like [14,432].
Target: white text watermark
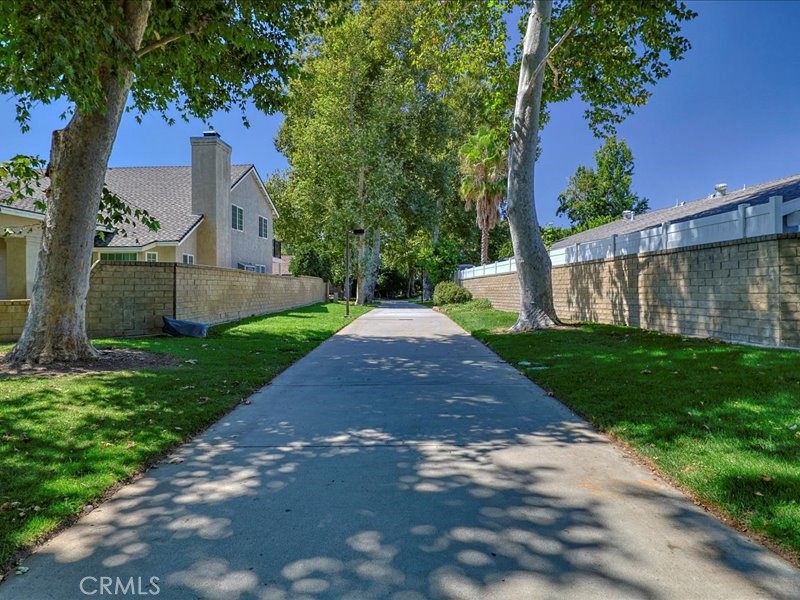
[119,586]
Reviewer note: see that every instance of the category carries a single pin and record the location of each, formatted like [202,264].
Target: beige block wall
[740,291]
[12,318]
[789,292]
[230,294]
[128,299]
[501,290]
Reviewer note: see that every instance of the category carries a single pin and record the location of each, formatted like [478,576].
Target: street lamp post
[347,270]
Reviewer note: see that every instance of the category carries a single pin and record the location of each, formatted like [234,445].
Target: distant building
[720,203]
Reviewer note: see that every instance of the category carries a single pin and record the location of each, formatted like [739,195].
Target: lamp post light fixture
[347,269]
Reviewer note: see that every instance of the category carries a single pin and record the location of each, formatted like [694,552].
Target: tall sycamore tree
[372,133]
[606,52]
[344,117]
[484,170]
[196,55]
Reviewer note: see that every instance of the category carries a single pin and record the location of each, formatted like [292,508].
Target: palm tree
[484,168]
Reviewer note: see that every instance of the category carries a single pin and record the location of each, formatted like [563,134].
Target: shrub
[473,306]
[478,305]
[447,292]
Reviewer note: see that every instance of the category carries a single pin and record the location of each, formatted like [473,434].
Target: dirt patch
[110,359]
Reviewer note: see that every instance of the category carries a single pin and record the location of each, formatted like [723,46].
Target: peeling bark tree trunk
[533,261]
[427,288]
[370,261]
[55,329]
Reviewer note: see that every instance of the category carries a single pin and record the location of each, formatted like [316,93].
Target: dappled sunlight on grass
[721,419]
[65,440]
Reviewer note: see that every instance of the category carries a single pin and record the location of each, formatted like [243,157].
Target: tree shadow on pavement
[380,468]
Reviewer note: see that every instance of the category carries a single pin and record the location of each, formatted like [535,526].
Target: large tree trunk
[484,246]
[370,263]
[427,287]
[55,329]
[533,261]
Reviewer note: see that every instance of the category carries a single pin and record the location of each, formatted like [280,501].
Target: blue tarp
[184,328]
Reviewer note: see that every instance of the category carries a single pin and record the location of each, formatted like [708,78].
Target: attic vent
[628,215]
[720,189]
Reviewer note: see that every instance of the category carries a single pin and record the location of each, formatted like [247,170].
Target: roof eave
[261,186]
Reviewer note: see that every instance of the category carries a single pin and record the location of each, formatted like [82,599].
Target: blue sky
[729,112]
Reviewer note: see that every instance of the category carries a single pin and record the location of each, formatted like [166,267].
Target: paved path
[402,460]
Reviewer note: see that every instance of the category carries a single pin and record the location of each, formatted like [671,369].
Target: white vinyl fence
[743,222]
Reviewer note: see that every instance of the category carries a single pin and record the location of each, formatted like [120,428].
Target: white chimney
[211,197]
[720,189]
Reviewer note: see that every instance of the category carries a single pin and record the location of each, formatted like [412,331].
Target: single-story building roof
[788,187]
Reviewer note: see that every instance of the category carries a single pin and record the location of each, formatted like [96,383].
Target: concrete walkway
[402,460]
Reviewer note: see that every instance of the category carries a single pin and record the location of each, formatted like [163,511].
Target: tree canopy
[599,194]
[372,133]
[196,56]
[308,260]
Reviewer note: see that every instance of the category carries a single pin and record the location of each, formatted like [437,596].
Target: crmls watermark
[117,586]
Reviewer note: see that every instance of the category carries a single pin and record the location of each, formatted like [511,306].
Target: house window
[261,269]
[251,268]
[188,259]
[237,218]
[152,257]
[263,227]
[276,248]
[118,256]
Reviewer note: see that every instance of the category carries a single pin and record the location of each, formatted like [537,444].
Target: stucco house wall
[163,253]
[3,270]
[187,246]
[246,245]
[19,252]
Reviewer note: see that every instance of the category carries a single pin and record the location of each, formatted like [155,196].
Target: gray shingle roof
[788,187]
[164,192]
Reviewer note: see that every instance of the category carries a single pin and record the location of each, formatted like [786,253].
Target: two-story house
[211,213]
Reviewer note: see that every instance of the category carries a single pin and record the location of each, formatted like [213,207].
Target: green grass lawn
[720,419]
[65,440]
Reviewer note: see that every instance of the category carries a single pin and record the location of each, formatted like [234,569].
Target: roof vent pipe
[720,189]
